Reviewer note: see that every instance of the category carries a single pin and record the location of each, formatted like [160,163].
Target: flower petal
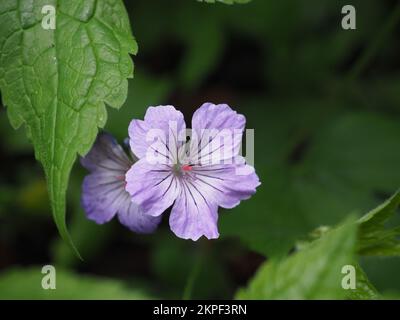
[218,132]
[193,215]
[164,123]
[132,216]
[227,185]
[103,190]
[153,187]
[106,154]
[102,195]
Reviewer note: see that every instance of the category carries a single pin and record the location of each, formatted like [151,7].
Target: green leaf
[226,1]
[365,290]
[375,238]
[313,273]
[57,82]
[90,236]
[21,283]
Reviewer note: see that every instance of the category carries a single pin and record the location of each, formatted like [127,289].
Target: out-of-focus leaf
[359,149]
[21,283]
[33,197]
[225,1]
[313,172]
[313,273]
[273,219]
[382,272]
[56,82]
[374,238]
[204,44]
[383,91]
[174,261]
[145,91]
[391,295]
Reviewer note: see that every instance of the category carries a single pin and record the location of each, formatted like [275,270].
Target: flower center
[182,169]
[186,168]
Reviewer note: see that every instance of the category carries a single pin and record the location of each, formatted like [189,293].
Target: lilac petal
[218,133]
[168,121]
[153,187]
[227,185]
[106,154]
[132,216]
[220,116]
[193,215]
[103,191]
[102,195]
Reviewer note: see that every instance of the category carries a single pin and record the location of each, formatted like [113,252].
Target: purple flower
[195,177]
[103,190]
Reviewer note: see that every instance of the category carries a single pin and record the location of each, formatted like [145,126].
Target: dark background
[325,106]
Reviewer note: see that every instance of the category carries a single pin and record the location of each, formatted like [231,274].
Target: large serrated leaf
[313,273]
[56,82]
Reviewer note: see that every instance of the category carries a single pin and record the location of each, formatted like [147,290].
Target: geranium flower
[195,177]
[103,190]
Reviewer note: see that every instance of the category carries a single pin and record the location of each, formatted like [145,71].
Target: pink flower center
[187,168]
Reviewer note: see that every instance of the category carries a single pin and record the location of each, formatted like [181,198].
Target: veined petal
[132,216]
[160,133]
[153,187]
[103,190]
[217,134]
[106,154]
[193,215]
[227,185]
[102,195]
[217,116]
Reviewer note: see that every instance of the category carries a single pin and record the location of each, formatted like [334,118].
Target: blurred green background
[325,106]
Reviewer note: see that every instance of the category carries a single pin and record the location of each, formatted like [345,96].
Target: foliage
[225,1]
[68,286]
[313,273]
[325,107]
[321,257]
[56,82]
[375,239]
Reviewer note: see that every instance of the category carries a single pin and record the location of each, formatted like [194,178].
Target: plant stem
[187,293]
